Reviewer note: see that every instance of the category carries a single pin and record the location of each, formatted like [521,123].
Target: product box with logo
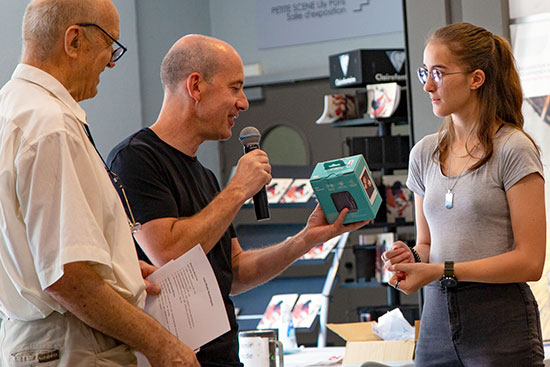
[346,183]
[363,345]
[357,68]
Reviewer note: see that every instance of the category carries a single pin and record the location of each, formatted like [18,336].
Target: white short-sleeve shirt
[57,203]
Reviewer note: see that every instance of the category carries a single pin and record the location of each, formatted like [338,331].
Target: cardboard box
[363,345]
[346,183]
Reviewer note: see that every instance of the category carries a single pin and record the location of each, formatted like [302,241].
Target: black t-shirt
[160,181]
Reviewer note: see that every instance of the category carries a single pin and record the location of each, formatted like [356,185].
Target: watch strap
[449,269]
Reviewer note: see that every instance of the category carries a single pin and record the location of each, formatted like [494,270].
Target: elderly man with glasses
[71,288]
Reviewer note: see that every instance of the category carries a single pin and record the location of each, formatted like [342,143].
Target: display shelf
[368,121]
[253,302]
[258,235]
[310,262]
[387,225]
[309,204]
[373,283]
[293,172]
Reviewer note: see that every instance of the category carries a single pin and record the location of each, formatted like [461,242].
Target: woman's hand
[399,254]
[412,277]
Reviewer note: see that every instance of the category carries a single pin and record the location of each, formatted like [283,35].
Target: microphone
[250,139]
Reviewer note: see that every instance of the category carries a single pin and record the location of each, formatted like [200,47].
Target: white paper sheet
[190,303]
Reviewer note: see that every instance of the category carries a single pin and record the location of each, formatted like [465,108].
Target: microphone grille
[250,135]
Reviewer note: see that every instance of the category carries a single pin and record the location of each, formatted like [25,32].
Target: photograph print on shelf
[322,250]
[306,309]
[300,191]
[276,189]
[399,199]
[272,316]
[382,99]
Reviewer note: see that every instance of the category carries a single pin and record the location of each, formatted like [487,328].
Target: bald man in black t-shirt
[179,201]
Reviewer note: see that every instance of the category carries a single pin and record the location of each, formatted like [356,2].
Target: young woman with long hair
[480,216]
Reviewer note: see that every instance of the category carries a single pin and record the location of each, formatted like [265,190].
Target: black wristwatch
[449,279]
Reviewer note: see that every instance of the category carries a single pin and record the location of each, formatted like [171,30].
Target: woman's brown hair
[500,96]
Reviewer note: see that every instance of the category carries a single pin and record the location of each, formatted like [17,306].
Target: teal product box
[346,183]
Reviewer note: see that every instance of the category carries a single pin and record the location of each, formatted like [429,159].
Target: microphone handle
[261,206]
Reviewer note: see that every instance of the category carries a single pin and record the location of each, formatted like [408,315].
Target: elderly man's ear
[73,41]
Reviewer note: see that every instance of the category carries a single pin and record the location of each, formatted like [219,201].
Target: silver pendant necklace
[449,196]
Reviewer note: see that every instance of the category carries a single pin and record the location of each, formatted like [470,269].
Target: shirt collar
[51,84]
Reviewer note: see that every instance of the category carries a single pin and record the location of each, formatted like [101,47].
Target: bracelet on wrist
[417,258]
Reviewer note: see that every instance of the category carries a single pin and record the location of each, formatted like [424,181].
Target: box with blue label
[346,183]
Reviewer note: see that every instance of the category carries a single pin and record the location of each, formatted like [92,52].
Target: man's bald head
[194,54]
[45,21]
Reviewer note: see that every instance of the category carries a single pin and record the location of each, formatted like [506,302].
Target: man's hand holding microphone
[253,172]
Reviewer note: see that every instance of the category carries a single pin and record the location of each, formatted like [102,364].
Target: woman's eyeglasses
[436,74]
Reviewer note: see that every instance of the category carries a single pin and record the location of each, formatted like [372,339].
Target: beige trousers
[60,341]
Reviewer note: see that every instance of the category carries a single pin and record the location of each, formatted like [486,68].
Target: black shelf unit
[384,153]
[384,126]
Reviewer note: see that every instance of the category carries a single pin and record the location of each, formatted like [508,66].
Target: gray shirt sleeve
[419,158]
[519,158]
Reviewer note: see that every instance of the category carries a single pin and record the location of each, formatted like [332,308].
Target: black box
[357,68]
[389,152]
[365,262]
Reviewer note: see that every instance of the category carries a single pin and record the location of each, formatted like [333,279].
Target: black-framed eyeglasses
[118,52]
[436,74]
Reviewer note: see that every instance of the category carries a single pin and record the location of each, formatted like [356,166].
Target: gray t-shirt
[478,225]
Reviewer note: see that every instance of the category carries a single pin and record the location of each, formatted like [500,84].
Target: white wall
[11,14]
[116,111]
[161,23]
[522,8]
[235,23]
[425,16]
[535,125]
